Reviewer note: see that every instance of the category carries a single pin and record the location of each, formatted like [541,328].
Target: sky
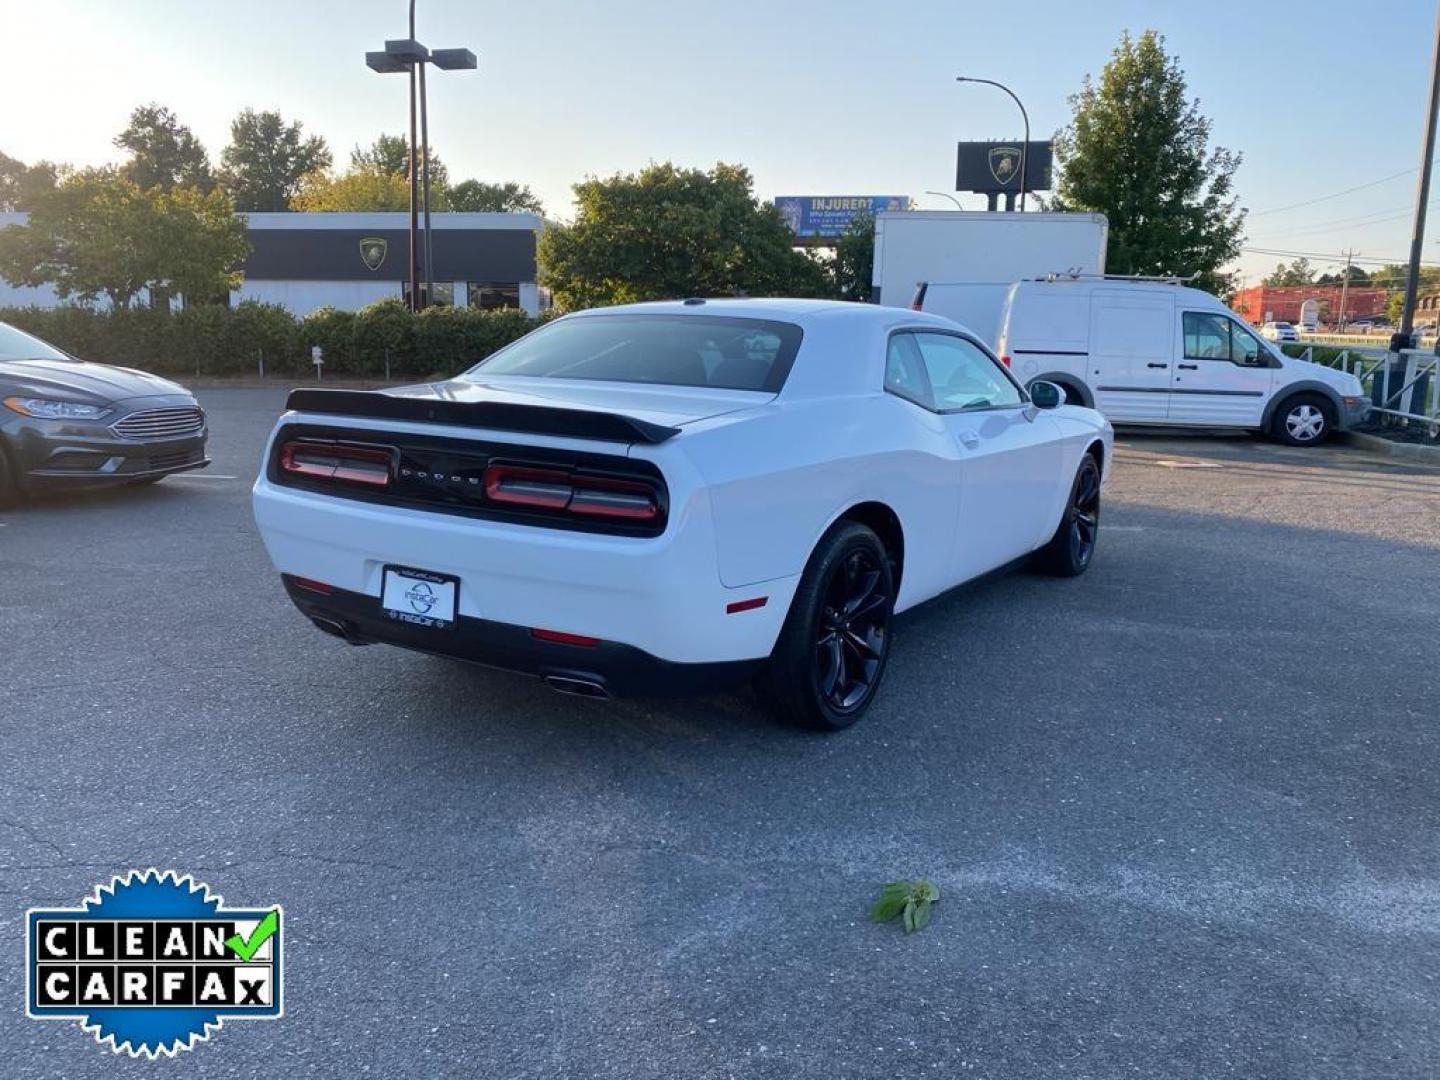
[816,97]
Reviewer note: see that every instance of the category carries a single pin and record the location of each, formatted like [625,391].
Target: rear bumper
[609,667]
[661,596]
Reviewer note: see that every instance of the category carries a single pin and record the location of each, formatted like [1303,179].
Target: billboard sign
[816,218]
[992,168]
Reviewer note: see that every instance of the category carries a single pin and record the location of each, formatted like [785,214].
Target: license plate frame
[416,597]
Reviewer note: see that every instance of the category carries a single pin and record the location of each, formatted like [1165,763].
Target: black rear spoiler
[495,415]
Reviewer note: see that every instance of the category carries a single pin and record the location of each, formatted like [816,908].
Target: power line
[1328,255]
[1374,217]
[1332,195]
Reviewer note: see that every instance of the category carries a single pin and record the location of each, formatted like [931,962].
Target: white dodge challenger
[680,496]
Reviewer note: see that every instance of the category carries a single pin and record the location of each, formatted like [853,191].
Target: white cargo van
[1149,352]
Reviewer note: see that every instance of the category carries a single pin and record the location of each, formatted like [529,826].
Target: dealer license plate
[419,597]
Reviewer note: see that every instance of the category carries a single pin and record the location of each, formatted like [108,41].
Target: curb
[1409,451]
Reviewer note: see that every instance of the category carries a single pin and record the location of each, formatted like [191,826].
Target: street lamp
[408,55]
[947,195]
[1025,146]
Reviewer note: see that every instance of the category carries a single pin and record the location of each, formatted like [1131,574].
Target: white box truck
[969,259]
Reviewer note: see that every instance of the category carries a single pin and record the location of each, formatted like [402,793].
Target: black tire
[830,657]
[1303,420]
[1072,548]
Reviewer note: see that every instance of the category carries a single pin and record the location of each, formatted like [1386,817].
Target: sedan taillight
[575,493]
[367,465]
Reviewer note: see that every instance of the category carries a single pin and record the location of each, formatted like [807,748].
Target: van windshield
[672,350]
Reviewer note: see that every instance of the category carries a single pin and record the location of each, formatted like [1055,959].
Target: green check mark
[261,934]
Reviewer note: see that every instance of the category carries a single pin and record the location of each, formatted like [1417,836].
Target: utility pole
[1422,195]
[1345,286]
[415,304]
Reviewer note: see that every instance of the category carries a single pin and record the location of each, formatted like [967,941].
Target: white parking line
[1189,464]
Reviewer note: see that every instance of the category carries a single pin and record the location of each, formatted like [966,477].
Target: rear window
[671,350]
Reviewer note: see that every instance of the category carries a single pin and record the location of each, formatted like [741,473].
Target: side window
[1214,337]
[1207,336]
[1245,349]
[905,371]
[962,376]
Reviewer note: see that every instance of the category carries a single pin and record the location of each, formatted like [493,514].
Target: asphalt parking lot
[1182,810]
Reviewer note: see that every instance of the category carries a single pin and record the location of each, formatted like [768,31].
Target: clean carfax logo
[152,963]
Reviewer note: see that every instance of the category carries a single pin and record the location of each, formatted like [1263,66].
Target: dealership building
[307,260]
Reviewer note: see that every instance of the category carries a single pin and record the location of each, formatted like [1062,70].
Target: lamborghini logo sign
[1004,163]
[372,251]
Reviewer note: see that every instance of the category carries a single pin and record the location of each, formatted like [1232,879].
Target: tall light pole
[1025,146]
[409,56]
[947,195]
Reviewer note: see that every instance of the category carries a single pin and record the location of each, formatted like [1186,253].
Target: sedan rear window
[671,350]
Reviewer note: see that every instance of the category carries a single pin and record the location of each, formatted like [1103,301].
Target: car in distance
[1280,331]
[1154,353]
[680,495]
[67,423]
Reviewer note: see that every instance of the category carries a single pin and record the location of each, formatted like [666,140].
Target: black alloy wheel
[830,656]
[851,637]
[1070,550]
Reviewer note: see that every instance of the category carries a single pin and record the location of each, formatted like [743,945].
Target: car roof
[801,311]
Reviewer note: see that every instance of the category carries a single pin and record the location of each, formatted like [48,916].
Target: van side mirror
[1046,395]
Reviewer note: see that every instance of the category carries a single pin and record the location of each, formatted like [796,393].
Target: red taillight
[521,485]
[1005,359]
[603,497]
[334,461]
[559,637]
[555,489]
[313,585]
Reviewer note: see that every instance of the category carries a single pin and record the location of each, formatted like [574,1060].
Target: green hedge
[215,340]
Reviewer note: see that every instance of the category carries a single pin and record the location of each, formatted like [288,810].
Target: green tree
[477,196]
[1355,274]
[361,188]
[1138,150]
[852,269]
[391,154]
[1299,272]
[266,159]
[164,153]
[21,185]
[669,232]
[100,234]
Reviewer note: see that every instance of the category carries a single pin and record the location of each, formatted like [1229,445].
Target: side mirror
[1046,395]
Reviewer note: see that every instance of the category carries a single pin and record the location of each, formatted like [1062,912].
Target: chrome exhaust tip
[578,686]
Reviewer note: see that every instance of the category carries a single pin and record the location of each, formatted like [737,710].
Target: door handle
[1158,365]
[969,439]
[1189,367]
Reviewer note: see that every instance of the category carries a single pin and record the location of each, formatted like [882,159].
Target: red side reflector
[560,638]
[746,605]
[313,585]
